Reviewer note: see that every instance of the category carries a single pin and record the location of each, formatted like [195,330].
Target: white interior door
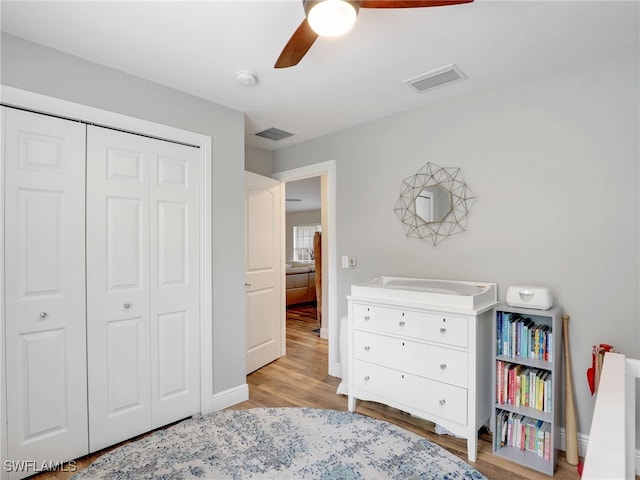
[44,163]
[143,284]
[264,300]
[118,334]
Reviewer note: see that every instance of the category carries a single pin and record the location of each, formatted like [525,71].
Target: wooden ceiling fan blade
[409,3]
[297,46]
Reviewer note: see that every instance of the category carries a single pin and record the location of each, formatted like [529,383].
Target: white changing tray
[440,293]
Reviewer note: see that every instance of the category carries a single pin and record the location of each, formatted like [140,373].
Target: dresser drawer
[437,363]
[410,392]
[443,328]
[388,320]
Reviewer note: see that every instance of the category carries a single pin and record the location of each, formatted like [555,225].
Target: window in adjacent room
[303,242]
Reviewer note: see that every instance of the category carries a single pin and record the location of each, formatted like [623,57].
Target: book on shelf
[522,386]
[519,336]
[523,433]
[547,441]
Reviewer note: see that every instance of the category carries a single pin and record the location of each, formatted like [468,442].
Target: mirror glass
[433,203]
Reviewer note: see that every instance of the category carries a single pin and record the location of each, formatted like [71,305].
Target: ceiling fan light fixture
[331,18]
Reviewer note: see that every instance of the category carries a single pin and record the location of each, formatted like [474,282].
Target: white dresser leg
[472,447]
[351,403]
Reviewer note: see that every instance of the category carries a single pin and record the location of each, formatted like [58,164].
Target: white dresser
[424,347]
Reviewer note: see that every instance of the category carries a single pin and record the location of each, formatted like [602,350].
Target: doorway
[327,173]
[303,252]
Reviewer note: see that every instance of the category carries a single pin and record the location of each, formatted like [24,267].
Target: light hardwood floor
[300,379]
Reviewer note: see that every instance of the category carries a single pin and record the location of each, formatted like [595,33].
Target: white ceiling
[303,195]
[198,47]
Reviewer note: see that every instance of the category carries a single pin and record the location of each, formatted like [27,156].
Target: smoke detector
[246,79]
[436,78]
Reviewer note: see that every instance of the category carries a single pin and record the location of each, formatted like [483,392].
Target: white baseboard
[230,397]
[583,441]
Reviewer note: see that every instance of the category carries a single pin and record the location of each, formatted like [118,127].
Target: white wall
[28,66]
[298,218]
[553,160]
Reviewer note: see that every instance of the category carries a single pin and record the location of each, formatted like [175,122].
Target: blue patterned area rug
[281,443]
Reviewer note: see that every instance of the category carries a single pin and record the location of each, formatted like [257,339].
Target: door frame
[329,281]
[23,99]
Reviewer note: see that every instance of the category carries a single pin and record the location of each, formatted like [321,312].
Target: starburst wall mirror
[434,203]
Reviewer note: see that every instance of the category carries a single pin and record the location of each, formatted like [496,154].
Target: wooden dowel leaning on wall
[570,424]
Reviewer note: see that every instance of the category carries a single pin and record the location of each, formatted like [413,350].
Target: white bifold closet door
[46,376]
[143,329]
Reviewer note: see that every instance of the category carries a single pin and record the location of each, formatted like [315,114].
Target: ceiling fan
[337,17]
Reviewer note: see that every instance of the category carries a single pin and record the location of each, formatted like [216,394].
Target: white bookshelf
[527,378]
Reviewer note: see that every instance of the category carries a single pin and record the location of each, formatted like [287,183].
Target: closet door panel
[42,256]
[173,355]
[124,235]
[44,298]
[174,274]
[117,286]
[173,254]
[43,361]
[126,369]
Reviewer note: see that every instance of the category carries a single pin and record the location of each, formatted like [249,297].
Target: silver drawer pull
[43,315]
[367,348]
[401,323]
[443,330]
[127,306]
[367,317]
[366,379]
[442,402]
[443,366]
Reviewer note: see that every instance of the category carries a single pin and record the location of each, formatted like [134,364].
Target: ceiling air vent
[442,76]
[274,134]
